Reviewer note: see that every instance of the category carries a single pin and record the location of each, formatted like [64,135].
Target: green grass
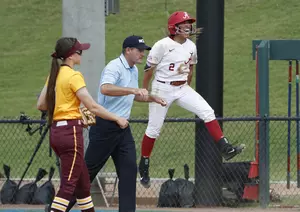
[29,31]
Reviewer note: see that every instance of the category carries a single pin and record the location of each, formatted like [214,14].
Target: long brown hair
[63,45]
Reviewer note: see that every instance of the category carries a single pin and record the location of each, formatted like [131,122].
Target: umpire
[118,90]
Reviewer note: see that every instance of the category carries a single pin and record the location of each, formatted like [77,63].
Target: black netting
[224,184]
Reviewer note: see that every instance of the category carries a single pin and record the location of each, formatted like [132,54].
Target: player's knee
[208,115]
[152,133]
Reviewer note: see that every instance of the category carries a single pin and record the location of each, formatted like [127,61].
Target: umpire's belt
[175,83]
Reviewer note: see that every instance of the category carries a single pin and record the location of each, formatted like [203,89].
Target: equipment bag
[46,192]
[168,192]
[185,190]
[234,177]
[26,192]
[9,188]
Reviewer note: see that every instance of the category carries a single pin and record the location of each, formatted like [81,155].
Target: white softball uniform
[168,56]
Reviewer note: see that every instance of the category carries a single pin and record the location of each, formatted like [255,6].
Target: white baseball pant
[184,96]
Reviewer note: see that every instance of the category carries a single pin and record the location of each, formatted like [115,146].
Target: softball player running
[173,58]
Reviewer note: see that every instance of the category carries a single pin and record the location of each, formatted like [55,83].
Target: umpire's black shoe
[227,150]
[144,171]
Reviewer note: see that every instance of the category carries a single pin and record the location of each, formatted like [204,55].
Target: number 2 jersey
[168,55]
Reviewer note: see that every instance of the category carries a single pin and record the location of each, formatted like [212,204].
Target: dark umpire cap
[134,41]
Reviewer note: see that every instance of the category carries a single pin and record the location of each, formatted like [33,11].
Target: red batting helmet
[177,18]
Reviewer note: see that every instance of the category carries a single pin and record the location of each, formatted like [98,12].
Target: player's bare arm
[113,90]
[148,73]
[42,104]
[190,76]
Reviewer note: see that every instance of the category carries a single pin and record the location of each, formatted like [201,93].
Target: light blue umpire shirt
[119,73]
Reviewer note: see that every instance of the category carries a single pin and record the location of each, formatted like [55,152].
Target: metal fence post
[264,168]
[209,83]
[85,20]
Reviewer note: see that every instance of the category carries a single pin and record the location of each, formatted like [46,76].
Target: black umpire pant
[108,139]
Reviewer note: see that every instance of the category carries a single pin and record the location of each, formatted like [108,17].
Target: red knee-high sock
[214,129]
[147,146]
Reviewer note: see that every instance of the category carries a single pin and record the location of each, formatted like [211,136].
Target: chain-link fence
[22,149]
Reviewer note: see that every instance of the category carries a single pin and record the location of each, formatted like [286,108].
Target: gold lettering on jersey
[183,68]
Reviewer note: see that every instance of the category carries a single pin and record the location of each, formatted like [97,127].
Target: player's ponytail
[50,95]
[63,46]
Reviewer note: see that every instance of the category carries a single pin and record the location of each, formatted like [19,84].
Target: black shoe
[227,150]
[144,171]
